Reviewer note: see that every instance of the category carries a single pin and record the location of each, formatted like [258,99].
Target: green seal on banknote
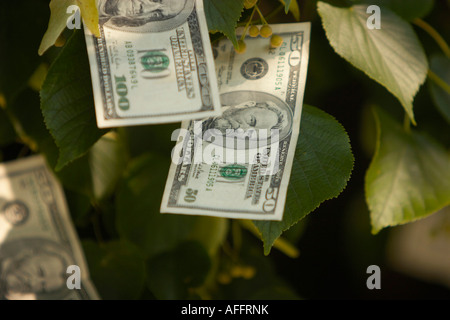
[155,61]
[233,172]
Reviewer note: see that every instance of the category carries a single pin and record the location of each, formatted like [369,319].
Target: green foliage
[67,102]
[323,163]
[117,269]
[409,177]
[222,16]
[58,20]
[392,56]
[171,274]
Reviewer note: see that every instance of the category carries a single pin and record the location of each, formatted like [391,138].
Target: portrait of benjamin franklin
[144,15]
[247,112]
[33,269]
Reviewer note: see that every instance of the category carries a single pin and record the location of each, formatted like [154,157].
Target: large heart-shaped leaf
[67,102]
[392,55]
[409,177]
[323,162]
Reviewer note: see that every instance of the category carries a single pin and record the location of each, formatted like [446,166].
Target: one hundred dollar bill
[39,248]
[238,165]
[152,63]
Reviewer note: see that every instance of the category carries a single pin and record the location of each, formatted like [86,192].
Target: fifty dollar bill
[38,242]
[152,63]
[260,89]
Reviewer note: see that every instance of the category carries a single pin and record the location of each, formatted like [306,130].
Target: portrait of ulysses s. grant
[144,15]
[246,113]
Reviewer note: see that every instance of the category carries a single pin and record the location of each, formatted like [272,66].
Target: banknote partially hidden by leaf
[59,16]
[323,162]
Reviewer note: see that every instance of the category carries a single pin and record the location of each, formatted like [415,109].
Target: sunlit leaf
[409,177]
[59,17]
[392,55]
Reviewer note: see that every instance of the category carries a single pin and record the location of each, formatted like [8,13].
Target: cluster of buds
[264,31]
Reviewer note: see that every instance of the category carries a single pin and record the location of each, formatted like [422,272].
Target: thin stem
[248,23]
[435,35]
[407,123]
[268,18]
[439,81]
[260,15]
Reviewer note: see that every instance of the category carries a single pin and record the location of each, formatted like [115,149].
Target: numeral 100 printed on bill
[152,63]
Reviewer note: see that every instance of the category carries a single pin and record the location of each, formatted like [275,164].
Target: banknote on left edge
[152,64]
[38,241]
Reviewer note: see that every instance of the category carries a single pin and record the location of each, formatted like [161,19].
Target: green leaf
[117,269]
[223,16]
[409,177]
[411,9]
[107,158]
[322,165]
[59,16]
[292,6]
[392,55]
[57,23]
[30,123]
[67,102]
[211,232]
[90,15]
[171,274]
[287,4]
[97,173]
[440,66]
[138,208]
